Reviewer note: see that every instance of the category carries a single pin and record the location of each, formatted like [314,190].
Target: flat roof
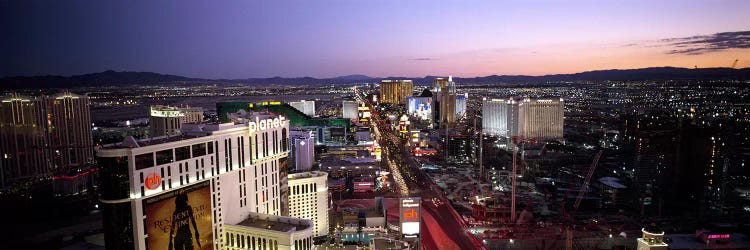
[372,212]
[149,141]
[275,225]
[305,175]
[383,243]
[333,161]
[188,131]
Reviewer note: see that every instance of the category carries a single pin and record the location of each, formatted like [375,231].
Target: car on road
[437,202]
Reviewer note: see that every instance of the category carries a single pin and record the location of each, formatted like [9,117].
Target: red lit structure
[73,183]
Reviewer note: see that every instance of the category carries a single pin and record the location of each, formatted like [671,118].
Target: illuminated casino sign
[261,125]
[152,181]
[166,113]
[712,237]
[409,216]
[718,236]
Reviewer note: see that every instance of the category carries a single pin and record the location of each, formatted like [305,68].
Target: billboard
[180,219]
[409,216]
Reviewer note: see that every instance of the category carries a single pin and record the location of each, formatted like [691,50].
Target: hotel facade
[395,91]
[538,119]
[39,135]
[214,186]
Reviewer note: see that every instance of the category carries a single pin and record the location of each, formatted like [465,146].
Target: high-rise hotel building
[308,199]
[349,109]
[395,91]
[500,117]
[541,119]
[306,107]
[166,120]
[41,134]
[538,119]
[445,100]
[214,186]
[301,150]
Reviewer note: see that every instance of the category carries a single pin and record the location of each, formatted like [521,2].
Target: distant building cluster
[438,104]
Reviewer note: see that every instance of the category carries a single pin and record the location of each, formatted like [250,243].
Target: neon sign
[260,125]
[718,236]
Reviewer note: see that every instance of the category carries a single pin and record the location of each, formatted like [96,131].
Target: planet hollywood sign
[270,123]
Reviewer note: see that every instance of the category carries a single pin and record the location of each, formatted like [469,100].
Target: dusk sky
[241,39]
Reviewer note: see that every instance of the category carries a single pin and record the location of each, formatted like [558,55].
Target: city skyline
[293,39]
[403,125]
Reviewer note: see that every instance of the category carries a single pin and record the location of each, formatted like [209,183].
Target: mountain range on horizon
[123,78]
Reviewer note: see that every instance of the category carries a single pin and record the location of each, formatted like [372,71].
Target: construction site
[510,211]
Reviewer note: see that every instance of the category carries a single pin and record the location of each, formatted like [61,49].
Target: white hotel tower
[538,119]
[214,186]
[499,117]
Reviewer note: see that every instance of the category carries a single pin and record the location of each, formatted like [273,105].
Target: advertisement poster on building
[180,220]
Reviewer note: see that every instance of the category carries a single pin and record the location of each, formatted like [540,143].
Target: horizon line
[380,77]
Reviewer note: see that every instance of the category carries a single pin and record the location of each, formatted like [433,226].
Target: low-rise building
[265,231]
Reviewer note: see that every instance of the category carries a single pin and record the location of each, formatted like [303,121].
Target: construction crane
[586,182]
[735,63]
[516,141]
[568,217]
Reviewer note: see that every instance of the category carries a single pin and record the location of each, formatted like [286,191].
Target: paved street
[442,228]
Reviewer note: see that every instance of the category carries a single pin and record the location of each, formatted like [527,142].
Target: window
[182,153]
[229,149]
[276,142]
[210,148]
[164,157]
[284,140]
[199,149]
[265,144]
[144,161]
[250,147]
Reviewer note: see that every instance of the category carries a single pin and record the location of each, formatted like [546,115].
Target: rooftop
[333,161]
[385,243]
[275,223]
[304,175]
[189,131]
